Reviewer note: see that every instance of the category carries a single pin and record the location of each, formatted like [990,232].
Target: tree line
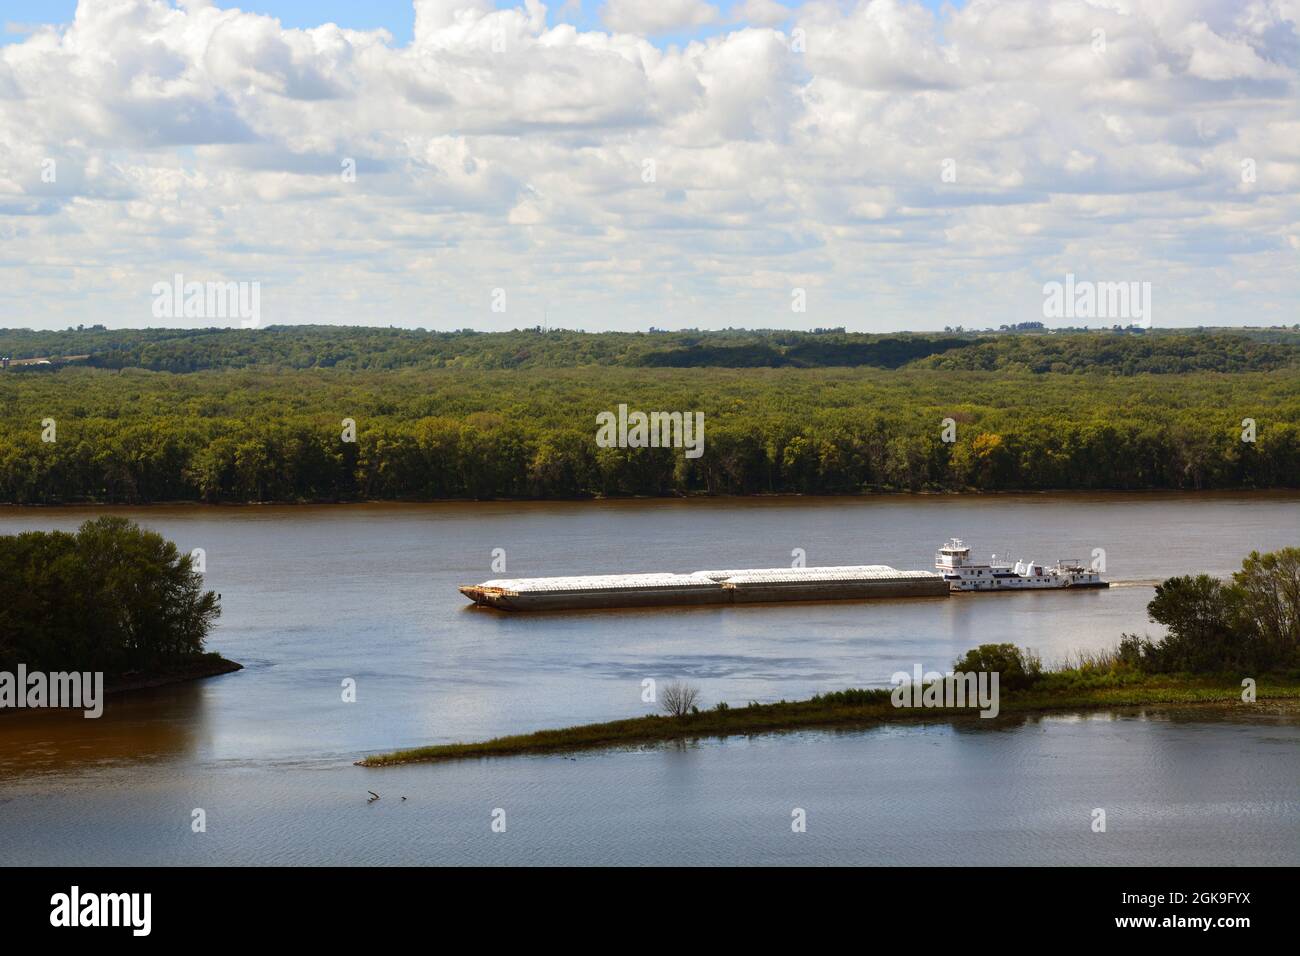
[1166,354]
[242,436]
[1124,352]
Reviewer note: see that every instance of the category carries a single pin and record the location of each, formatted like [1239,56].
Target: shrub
[679,699]
[1016,668]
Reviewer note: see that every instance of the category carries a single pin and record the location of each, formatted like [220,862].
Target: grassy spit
[1074,690]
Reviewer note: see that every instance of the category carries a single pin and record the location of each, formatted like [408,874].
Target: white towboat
[962,574]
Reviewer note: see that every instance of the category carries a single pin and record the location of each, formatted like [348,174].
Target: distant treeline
[1122,355]
[819,352]
[359,347]
[263,435]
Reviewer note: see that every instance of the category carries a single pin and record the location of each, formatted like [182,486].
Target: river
[313,596]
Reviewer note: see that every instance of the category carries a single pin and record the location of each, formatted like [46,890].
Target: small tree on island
[679,699]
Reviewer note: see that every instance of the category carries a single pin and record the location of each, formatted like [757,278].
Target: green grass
[1077,689]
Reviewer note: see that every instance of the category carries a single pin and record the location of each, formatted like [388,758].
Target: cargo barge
[955,572]
[754,586]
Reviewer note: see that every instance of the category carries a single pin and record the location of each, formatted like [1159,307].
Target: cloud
[909,169]
[651,17]
[762,13]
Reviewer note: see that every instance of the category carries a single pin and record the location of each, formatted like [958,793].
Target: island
[111,599]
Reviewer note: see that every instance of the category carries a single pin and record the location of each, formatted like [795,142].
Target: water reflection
[162,723]
[1175,792]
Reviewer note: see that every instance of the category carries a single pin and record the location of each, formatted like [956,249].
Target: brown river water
[312,596]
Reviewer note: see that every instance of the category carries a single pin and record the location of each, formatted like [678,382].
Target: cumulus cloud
[657,16]
[906,168]
[763,13]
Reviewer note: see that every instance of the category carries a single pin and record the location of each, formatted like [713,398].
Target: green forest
[262,418]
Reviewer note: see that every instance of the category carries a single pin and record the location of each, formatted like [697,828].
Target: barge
[954,571]
[754,586]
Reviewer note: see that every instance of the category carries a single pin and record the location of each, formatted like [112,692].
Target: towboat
[953,561]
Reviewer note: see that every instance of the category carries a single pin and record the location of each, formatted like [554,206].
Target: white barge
[954,571]
[705,587]
[962,574]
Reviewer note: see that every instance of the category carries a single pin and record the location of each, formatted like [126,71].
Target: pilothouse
[953,561]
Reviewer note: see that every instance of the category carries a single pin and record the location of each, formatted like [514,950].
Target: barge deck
[753,586]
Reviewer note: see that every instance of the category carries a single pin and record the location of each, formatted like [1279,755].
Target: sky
[627,164]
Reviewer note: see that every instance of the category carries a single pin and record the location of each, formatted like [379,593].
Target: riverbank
[209,665]
[704,499]
[857,708]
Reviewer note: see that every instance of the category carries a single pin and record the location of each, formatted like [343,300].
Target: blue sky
[396,16]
